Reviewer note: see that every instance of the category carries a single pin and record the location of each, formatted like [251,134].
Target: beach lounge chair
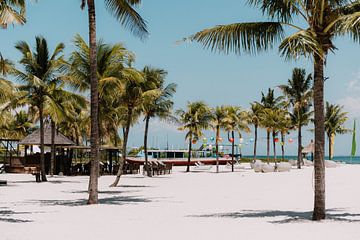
[236,166]
[283,167]
[199,166]
[308,163]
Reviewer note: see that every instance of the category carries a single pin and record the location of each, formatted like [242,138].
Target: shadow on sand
[114,200]
[287,216]
[8,216]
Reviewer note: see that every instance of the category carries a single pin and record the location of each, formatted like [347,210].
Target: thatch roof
[310,148]
[34,138]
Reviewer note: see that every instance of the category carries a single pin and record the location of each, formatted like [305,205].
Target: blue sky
[200,74]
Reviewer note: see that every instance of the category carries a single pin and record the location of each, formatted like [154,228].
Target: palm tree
[194,120]
[301,116]
[299,93]
[42,74]
[131,99]
[255,112]
[158,102]
[235,120]
[219,115]
[319,23]
[12,12]
[335,119]
[284,125]
[124,12]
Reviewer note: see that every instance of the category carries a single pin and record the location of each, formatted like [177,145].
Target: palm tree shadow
[7,216]
[113,200]
[337,215]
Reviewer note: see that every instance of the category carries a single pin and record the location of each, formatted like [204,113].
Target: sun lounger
[199,166]
[283,167]
[236,166]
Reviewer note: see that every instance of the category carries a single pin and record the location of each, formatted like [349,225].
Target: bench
[34,171]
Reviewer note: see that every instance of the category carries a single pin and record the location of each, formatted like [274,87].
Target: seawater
[344,159]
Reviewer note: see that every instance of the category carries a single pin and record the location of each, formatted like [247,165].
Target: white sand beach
[197,205]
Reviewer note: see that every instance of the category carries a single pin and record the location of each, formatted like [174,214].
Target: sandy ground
[197,205]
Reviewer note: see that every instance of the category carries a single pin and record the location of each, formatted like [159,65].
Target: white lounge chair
[236,166]
[199,166]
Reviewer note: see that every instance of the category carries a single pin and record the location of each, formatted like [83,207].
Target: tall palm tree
[12,12]
[299,93]
[42,74]
[319,22]
[124,12]
[158,103]
[219,115]
[112,61]
[301,116]
[254,113]
[335,119]
[284,125]
[194,120]
[131,98]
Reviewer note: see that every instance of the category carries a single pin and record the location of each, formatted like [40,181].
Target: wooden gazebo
[28,158]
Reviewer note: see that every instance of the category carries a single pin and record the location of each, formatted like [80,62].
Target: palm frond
[238,37]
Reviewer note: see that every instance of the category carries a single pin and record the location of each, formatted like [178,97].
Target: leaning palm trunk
[268,146]
[232,150]
[299,157]
[319,168]
[42,157]
[123,160]
[145,144]
[331,146]
[283,146]
[94,102]
[255,141]
[274,147]
[52,160]
[189,154]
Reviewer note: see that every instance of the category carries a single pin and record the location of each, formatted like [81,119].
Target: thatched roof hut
[34,138]
[310,148]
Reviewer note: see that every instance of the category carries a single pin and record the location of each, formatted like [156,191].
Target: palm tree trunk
[217,147]
[126,135]
[255,141]
[232,150]
[319,165]
[299,158]
[268,146]
[94,104]
[52,160]
[330,145]
[274,147]
[145,143]
[42,157]
[189,154]
[283,146]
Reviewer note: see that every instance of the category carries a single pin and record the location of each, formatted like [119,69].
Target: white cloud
[351,105]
